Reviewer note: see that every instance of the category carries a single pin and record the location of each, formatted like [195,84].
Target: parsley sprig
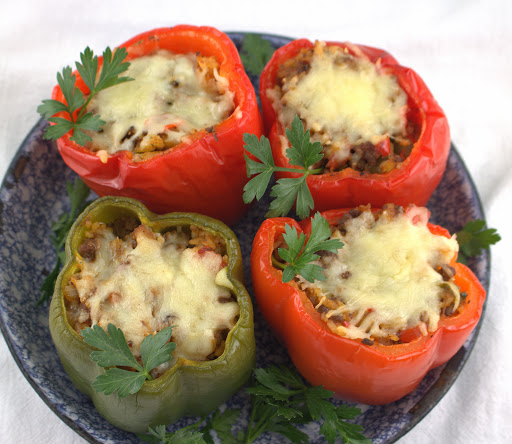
[473,238]
[221,423]
[75,104]
[255,53]
[299,257]
[113,351]
[186,435]
[286,191]
[280,402]
[78,194]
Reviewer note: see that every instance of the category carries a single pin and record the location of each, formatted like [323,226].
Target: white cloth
[461,49]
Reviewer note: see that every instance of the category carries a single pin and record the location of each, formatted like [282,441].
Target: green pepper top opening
[143,281]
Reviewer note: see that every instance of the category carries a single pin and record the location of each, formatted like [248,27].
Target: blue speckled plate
[33,193]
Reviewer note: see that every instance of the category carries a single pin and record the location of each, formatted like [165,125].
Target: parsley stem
[253,432]
[195,425]
[249,426]
[84,107]
[298,170]
[92,93]
[278,264]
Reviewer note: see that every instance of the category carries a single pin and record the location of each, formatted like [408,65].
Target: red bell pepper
[418,175]
[371,374]
[207,173]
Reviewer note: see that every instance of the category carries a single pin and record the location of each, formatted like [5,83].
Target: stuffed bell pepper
[171,128]
[138,274]
[384,137]
[391,304]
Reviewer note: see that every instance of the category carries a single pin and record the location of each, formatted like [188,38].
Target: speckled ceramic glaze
[33,194]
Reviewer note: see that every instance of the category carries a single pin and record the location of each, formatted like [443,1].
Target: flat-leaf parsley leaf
[299,257]
[280,402]
[186,435]
[473,238]
[286,191]
[256,52]
[113,350]
[75,104]
[285,400]
[78,192]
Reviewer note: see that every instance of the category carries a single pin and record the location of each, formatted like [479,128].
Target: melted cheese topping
[391,283]
[170,95]
[156,284]
[347,99]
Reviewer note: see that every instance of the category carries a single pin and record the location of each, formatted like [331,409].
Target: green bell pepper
[188,387]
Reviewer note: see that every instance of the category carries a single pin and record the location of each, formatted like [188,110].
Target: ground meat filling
[383,153]
[364,321]
[202,309]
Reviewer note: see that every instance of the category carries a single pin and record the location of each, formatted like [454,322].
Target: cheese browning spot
[391,275]
[171,97]
[147,281]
